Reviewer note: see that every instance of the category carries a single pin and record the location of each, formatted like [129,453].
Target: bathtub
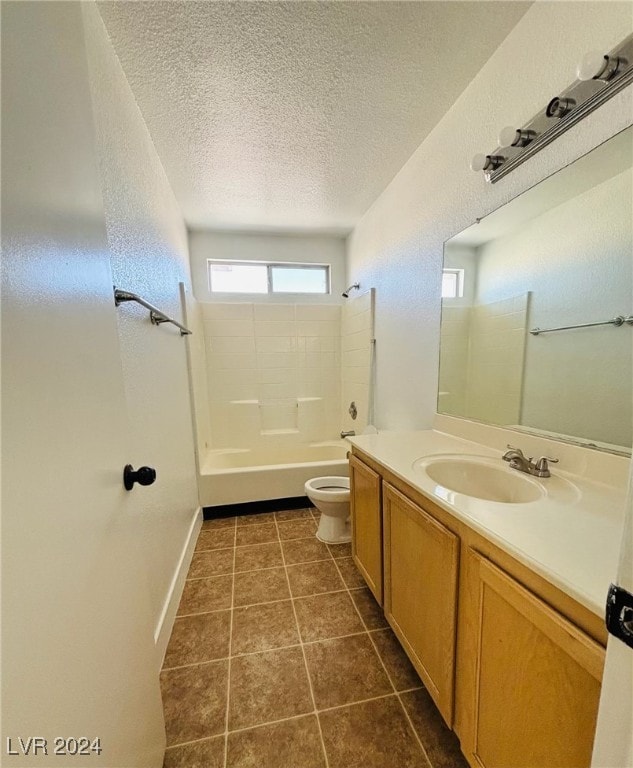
[238,475]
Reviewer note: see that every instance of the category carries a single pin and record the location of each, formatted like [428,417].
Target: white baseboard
[165,624]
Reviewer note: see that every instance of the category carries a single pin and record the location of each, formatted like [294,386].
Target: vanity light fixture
[559,107]
[600,76]
[481,162]
[515,137]
[598,66]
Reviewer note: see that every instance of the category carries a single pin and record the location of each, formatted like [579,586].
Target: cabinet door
[366,516]
[537,682]
[421,564]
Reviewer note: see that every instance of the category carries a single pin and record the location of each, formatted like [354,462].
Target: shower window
[452,283]
[267,277]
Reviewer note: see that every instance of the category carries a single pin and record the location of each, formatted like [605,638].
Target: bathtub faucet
[349,433]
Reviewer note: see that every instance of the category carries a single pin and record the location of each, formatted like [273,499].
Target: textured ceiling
[296,115]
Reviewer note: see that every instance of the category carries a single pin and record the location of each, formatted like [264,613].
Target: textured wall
[148,246]
[240,246]
[78,654]
[397,246]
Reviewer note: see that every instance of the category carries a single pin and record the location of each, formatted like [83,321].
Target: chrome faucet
[538,468]
[349,433]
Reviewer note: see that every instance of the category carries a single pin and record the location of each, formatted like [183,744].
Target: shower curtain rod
[617,321]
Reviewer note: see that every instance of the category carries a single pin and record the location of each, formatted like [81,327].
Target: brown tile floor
[281,658]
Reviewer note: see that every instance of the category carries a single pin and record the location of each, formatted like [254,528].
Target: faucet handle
[541,467]
[543,461]
[512,452]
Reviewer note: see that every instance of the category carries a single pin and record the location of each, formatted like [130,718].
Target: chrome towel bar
[617,321]
[155,315]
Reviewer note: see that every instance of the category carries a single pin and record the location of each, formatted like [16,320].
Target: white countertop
[570,536]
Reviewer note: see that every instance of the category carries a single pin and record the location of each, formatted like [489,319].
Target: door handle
[142,476]
[619,617]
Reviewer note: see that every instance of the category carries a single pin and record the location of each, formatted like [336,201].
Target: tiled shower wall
[482,360]
[357,331]
[273,373]
[454,343]
[496,360]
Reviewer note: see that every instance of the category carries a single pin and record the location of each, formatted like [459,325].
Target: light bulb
[481,162]
[514,137]
[597,66]
[478,163]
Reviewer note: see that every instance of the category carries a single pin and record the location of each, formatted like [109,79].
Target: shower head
[354,286]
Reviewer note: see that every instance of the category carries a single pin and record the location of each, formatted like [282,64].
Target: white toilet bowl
[330,495]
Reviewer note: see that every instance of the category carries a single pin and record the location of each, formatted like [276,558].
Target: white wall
[229,246]
[78,652]
[198,382]
[357,371]
[148,246]
[397,246]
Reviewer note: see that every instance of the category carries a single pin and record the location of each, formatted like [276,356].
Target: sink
[479,477]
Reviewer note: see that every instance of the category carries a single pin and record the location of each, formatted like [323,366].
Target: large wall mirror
[558,255]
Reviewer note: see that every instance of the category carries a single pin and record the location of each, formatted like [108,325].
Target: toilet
[330,495]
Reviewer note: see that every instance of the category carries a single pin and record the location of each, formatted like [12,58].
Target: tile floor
[281,658]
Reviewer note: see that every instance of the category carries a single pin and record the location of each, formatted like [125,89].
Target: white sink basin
[480,478]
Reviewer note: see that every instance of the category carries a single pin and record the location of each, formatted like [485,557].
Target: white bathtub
[238,475]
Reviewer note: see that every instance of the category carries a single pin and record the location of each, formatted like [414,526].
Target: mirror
[558,255]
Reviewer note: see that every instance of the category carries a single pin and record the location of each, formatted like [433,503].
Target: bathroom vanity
[497,597]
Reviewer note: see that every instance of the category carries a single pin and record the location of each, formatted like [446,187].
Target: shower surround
[275,375]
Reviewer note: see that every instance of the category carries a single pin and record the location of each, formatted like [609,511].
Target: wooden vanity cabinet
[534,697]
[421,573]
[513,664]
[366,518]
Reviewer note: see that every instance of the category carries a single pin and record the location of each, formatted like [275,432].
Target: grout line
[213,549]
[415,733]
[354,703]
[201,613]
[305,661]
[273,722]
[194,664]
[194,741]
[268,650]
[210,575]
[199,551]
[269,602]
[327,639]
[384,666]
[228,676]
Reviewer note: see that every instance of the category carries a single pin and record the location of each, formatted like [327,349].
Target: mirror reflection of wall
[558,255]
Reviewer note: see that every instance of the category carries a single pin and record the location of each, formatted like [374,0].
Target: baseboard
[256,507]
[165,624]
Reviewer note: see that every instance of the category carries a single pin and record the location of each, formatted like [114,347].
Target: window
[452,283]
[262,277]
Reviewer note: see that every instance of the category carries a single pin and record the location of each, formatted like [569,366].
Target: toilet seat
[328,488]
[330,495]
